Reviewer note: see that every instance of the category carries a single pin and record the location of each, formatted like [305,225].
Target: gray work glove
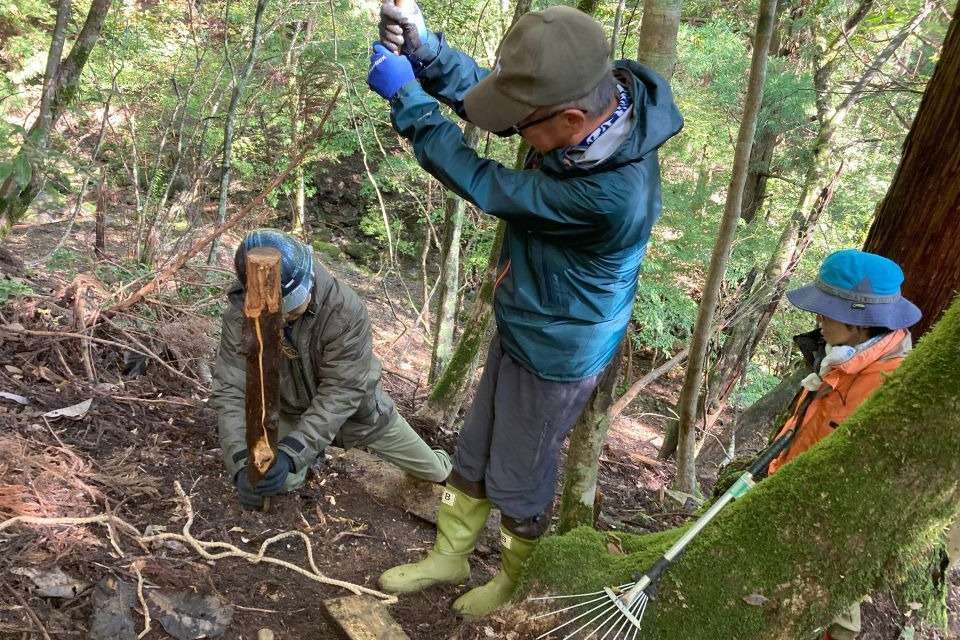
[402,30]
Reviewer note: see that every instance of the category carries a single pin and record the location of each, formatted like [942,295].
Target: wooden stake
[264,324]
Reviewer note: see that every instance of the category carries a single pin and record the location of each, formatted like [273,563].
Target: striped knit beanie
[296,264]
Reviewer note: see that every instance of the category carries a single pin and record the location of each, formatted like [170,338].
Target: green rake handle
[739,488]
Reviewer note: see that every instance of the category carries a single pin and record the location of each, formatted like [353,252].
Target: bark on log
[262,334]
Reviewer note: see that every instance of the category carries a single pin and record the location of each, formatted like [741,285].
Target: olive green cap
[547,58]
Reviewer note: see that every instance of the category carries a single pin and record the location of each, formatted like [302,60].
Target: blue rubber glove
[272,483]
[388,72]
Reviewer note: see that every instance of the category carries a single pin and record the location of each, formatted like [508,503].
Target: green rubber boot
[459,523]
[514,552]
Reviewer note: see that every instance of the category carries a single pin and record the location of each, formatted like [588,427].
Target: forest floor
[143,434]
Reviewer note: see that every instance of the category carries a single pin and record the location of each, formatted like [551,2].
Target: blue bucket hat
[296,264]
[860,289]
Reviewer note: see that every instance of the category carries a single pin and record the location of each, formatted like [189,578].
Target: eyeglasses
[517,128]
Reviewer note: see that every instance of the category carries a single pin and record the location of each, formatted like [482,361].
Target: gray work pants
[512,436]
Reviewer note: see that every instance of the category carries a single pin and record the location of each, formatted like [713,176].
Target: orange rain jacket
[845,386]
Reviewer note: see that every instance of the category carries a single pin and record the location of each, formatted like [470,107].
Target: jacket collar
[895,344]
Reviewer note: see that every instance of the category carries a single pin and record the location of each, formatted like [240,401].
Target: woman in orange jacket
[864,320]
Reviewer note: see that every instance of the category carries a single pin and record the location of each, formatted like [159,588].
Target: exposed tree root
[209,550]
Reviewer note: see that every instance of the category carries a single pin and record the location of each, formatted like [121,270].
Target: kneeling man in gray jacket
[330,389]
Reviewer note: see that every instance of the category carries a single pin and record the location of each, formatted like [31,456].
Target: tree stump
[264,325]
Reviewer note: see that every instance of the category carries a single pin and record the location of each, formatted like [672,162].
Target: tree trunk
[768,137]
[761,160]
[450,391]
[686,479]
[61,82]
[590,431]
[927,244]
[445,322]
[578,502]
[295,105]
[100,232]
[758,307]
[658,35]
[228,126]
[861,506]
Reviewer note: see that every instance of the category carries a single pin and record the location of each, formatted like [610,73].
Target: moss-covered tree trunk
[449,392]
[840,521]
[60,85]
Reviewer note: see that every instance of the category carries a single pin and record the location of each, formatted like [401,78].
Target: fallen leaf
[14,370]
[74,412]
[14,398]
[111,618]
[190,616]
[613,546]
[52,583]
[756,600]
[48,374]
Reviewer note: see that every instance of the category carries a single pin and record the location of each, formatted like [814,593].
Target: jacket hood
[656,118]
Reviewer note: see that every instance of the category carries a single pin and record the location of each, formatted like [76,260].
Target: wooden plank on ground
[389,484]
[362,618]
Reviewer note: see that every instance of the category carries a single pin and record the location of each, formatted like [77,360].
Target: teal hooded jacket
[575,238]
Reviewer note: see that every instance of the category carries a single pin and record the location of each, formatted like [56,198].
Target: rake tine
[610,618]
[626,585]
[643,607]
[623,626]
[624,623]
[573,606]
[588,623]
[567,597]
[642,603]
[572,620]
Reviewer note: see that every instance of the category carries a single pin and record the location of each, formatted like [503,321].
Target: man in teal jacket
[578,220]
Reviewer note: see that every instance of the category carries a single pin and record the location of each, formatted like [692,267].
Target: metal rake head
[606,615]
